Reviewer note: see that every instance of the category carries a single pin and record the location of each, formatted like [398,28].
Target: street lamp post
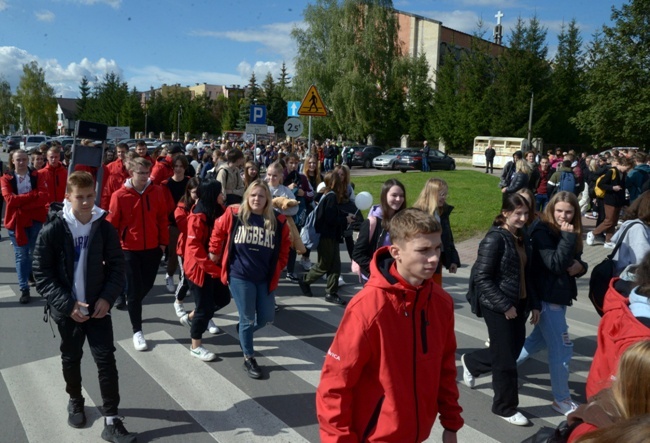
[180,112]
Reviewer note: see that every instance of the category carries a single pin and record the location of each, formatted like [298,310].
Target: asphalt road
[168,396]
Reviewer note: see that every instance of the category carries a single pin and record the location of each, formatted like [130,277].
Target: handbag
[602,274]
[473,296]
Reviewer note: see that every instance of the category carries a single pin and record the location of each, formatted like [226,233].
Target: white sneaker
[487,343]
[180,310]
[518,419]
[609,245]
[202,354]
[186,321]
[306,263]
[564,407]
[468,378]
[139,343]
[590,238]
[213,328]
[169,282]
[342,282]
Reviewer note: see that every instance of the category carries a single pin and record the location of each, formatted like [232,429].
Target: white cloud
[44,16]
[261,70]
[496,3]
[3,5]
[115,4]
[64,79]
[274,37]
[145,77]
[465,21]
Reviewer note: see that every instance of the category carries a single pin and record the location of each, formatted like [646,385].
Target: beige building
[420,35]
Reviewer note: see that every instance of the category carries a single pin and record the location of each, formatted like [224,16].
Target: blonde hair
[268,213]
[428,198]
[631,389]
[137,161]
[522,166]
[548,216]
[305,168]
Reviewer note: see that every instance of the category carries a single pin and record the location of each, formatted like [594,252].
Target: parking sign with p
[258,114]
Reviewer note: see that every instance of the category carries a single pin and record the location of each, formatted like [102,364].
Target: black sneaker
[305,288]
[117,433]
[334,299]
[292,278]
[252,368]
[76,414]
[24,297]
[120,303]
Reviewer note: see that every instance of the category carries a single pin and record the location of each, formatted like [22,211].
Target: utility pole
[180,112]
[530,119]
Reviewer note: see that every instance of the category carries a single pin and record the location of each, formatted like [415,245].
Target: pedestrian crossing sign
[312,104]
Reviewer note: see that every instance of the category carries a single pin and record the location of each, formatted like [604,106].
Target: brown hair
[138,161]
[549,215]
[407,224]
[640,209]
[79,180]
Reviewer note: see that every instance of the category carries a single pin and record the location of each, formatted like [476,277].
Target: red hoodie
[392,365]
[197,262]
[181,213]
[162,169]
[22,210]
[141,220]
[617,331]
[222,236]
[56,179]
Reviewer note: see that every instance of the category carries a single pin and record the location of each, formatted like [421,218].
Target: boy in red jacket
[391,368]
[139,211]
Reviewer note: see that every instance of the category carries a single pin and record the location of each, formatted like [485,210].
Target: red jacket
[140,219]
[181,213]
[162,169]
[617,331]
[56,179]
[113,180]
[222,236]
[22,210]
[197,263]
[392,365]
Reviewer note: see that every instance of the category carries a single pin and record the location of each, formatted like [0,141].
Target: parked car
[11,142]
[363,155]
[387,159]
[412,160]
[33,141]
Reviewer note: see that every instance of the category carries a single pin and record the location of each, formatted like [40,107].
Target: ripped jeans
[552,332]
[256,309]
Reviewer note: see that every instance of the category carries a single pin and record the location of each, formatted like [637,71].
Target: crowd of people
[224,221]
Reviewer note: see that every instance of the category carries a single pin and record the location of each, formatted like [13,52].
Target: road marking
[221,408]
[7,292]
[38,392]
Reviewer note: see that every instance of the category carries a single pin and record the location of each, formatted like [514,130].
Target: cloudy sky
[151,42]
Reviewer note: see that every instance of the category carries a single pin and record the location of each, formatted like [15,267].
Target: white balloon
[363,200]
[320,187]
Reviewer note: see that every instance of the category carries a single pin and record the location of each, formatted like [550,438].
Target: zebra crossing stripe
[38,392]
[221,408]
[7,292]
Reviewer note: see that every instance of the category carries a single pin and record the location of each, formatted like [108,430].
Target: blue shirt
[253,251]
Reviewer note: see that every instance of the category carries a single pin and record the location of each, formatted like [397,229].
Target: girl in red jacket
[210,294]
[26,195]
[181,213]
[251,245]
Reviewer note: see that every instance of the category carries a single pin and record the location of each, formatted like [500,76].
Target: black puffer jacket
[54,257]
[497,272]
[553,253]
[449,252]
[519,181]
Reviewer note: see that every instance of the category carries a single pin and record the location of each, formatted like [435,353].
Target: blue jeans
[256,309]
[425,163]
[541,202]
[329,164]
[24,254]
[552,332]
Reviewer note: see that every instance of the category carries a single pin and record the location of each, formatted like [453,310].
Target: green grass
[475,196]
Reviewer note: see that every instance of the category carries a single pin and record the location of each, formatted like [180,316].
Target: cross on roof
[498,17]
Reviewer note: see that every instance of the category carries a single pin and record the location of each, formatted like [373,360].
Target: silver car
[387,159]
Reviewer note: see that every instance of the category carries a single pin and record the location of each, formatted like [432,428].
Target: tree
[617,98]
[419,98]
[253,94]
[8,111]
[36,97]
[84,98]
[349,50]
[568,86]
[445,114]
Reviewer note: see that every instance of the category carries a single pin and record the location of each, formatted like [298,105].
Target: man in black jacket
[79,239]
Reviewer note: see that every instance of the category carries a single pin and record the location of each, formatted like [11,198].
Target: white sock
[109,420]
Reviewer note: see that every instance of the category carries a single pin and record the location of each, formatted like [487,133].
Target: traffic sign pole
[309,139]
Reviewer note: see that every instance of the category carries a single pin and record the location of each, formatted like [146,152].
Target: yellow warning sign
[312,104]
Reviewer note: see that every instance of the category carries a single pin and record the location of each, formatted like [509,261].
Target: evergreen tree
[9,114]
[617,97]
[84,98]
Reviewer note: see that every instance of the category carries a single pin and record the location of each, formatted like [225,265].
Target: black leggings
[141,270]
